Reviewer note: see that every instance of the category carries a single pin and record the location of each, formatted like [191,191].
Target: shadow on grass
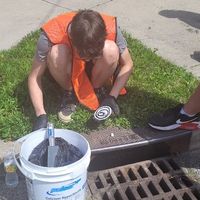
[136,106]
[52,94]
[139,104]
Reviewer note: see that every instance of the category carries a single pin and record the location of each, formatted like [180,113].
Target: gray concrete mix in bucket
[170,28]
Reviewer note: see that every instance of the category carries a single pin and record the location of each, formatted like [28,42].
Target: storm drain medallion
[102,113]
[158,179]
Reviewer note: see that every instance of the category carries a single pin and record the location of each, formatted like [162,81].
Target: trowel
[52,148]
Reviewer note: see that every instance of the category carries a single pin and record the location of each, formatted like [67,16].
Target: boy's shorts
[43,47]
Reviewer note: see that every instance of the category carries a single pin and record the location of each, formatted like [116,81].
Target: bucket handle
[23,171]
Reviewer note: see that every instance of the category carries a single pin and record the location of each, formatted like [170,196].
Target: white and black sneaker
[68,106]
[172,119]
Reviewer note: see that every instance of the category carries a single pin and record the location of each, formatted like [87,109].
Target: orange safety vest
[56,30]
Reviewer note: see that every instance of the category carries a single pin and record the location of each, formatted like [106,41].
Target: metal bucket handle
[24,172]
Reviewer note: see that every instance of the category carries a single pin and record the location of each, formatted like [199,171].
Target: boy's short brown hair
[88,33]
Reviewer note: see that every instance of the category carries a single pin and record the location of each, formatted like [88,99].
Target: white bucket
[58,183]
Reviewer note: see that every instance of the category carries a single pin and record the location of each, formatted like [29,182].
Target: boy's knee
[59,55]
[111,52]
[58,50]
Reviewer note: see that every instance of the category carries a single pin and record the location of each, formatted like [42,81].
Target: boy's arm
[126,67]
[35,86]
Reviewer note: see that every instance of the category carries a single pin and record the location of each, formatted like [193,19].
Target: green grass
[155,85]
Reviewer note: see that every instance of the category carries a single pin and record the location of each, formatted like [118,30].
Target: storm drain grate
[158,179]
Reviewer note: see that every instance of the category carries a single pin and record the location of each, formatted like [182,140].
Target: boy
[82,51]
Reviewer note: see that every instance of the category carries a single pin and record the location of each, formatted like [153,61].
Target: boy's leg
[105,66]
[59,64]
[192,107]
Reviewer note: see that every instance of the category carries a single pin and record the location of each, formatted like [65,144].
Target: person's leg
[59,65]
[105,66]
[182,116]
[192,106]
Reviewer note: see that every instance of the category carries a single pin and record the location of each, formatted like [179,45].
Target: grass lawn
[155,85]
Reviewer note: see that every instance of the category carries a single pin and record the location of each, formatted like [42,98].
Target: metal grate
[158,179]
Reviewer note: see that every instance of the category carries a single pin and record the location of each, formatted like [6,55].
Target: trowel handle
[51,134]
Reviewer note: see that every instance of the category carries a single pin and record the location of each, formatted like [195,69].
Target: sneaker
[172,119]
[68,106]
[40,122]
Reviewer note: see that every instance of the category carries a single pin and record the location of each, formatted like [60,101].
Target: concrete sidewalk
[170,28]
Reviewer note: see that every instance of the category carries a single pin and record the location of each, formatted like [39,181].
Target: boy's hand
[112,103]
[99,116]
[40,122]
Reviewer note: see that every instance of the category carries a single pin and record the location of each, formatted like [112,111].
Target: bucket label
[58,191]
[75,195]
